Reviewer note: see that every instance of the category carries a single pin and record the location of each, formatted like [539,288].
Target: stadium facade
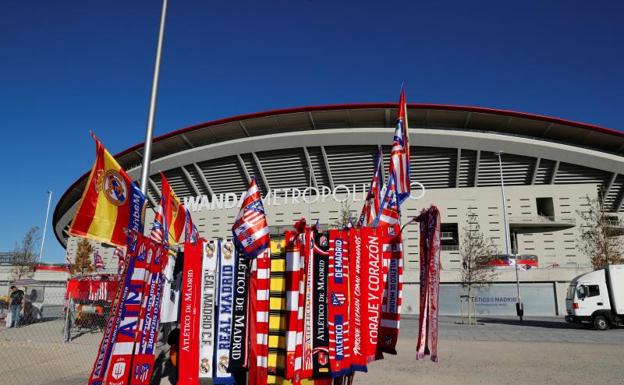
[315,162]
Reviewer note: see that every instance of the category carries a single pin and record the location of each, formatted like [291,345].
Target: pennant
[188,359]
[240,330]
[208,316]
[373,198]
[400,155]
[110,204]
[190,230]
[174,212]
[391,305]
[250,228]
[339,300]
[225,298]
[119,253]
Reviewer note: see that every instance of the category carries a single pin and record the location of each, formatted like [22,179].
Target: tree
[600,234]
[24,259]
[477,252]
[344,217]
[82,264]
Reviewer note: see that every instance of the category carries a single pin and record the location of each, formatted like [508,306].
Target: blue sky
[67,67]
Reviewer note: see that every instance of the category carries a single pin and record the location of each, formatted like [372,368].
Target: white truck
[597,298]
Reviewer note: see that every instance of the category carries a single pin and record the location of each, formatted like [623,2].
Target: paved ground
[498,351]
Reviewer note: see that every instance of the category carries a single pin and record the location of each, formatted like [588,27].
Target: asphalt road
[497,351]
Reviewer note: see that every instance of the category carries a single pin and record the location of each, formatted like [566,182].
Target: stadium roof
[372,115]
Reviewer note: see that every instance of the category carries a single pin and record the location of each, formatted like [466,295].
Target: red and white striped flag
[98,262]
[250,228]
[400,155]
[389,211]
[373,199]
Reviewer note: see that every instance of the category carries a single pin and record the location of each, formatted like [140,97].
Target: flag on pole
[173,213]
[373,199]
[190,230]
[389,211]
[110,204]
[98,262]
[400,155]
[250,228]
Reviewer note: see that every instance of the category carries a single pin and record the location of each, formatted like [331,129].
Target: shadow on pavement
[548,324]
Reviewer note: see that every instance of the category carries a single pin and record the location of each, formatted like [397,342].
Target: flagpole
[45,225]
[519,310]
[147,150]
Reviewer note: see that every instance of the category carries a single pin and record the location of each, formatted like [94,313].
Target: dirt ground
[499,353]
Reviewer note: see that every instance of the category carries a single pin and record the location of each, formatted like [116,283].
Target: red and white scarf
[391,306]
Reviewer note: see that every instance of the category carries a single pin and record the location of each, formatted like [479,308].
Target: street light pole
[519,308]
[45,225]
[147,147]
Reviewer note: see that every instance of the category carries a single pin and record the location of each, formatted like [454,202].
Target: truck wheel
[601,322]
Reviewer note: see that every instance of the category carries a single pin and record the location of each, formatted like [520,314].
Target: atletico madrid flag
[389,211]
[400,155]
[111,203]
[373,199]
[250,228]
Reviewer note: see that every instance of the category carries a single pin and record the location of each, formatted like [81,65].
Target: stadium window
[545,207]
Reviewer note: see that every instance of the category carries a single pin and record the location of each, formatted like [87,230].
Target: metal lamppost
[45,225]
[519,306]
[147,147]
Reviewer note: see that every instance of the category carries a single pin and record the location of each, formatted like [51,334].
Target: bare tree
[82,264]
[477,252]
[345,216]
[600,234]
[24,259]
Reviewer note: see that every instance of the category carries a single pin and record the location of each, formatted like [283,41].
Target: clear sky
[67,67]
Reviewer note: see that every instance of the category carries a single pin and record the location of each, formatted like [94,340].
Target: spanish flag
[111,203]
[174,212]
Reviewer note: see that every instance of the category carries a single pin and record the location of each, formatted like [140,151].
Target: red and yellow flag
[174,212]
[110,202]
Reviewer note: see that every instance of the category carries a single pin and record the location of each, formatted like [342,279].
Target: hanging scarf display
[276,359]
[372,257]
[308,308]
[358,302]
[434,277]
[319,250]
[423,320]
[145,342]
[430,282]
[225,300]
[260,281]
[128,316]
[238,343]
[294,280]
[101,363]
[188,367]
[207,318]
[391,305]
[171,290]
[338,296]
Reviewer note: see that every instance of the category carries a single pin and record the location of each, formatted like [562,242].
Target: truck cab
[589,299]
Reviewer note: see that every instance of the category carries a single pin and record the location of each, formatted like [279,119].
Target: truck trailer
[597,298]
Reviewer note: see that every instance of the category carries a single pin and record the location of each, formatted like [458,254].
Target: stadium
[316,162]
